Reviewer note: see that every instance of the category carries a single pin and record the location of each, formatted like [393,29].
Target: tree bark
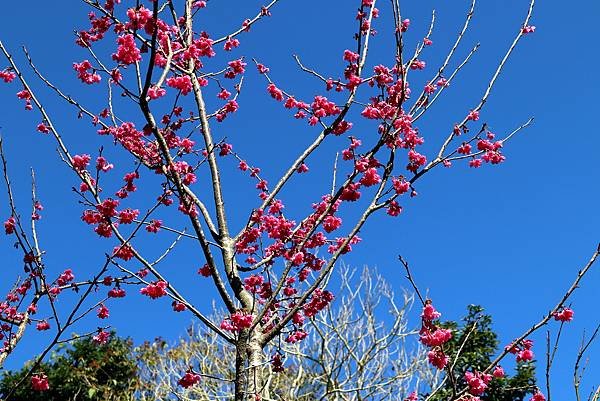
[249,380]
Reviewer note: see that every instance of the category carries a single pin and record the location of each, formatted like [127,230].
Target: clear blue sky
[510,238]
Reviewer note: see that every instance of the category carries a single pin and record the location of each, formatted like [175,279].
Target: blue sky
[508,237]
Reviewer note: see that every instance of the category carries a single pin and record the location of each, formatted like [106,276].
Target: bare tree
[358,350]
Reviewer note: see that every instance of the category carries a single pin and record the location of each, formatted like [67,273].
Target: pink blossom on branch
[127,51]
[564,315]
[155,290]
[39,382]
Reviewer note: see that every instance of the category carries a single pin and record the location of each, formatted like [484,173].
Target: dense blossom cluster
[434,337]
[127,51]
[564,315]
[237,321]
[101,337]
[478,382]
[39,382]
[155,290]
[189,379]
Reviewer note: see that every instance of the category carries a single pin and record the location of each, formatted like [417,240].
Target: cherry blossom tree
[270,273]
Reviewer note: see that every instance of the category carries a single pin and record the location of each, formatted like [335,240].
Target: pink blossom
[475,163]
[189,379]
[80,162]
[39,382]
[103,312]
[350,56]
[124,252]
[319,300]
[262,69]
[237,321]
[155,93]
[154,226]
[65,277]
[43,128]
[303,168]
[275,92]
[477,382]
[429,312]
[84,74]
[297,259]
[538,396]
[473,115]
[437,358]
[236,67]
[394,209]
[528,29]
[252,282]
[224,94]
[127,52]
[155,290]
[417,65]
[296,336]
[7,76]
[331,223]
[525,355]
[404,25]
[464,149]
[116,292]
[10,225]
[183,83]
[43,325]
[205,271]
[564,315]
[103,165]
[102,337]
[435,338]
[230,44]
[370,177]
[400,185]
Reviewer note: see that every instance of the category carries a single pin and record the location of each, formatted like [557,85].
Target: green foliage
[479,345]
[82,371]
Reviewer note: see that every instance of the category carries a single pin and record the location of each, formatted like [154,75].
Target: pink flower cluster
[10,225]
[189,379]
[478,382]
[84,74]
[523,350]
[237,321]
[7,76]
[103,312]
[39,382]
[538,396]
[127,51]
[564,315]
[182,83]
[433,336]
[101,337]
[155,290]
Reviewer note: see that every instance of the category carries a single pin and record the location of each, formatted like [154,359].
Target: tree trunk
[249,380]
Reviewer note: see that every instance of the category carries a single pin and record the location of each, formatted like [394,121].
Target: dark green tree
[82,371]
[479,346]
